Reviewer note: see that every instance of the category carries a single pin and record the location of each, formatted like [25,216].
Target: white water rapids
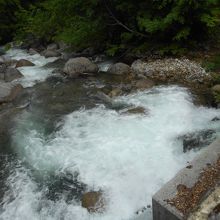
[129,157]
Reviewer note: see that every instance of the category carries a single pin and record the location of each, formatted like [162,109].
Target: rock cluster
[172,70]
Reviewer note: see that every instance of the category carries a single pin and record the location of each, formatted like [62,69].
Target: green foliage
[74,22]
[169,26]
[7,18]
[213,65]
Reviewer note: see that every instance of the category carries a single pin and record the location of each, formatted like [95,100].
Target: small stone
[136,110]
[93,201]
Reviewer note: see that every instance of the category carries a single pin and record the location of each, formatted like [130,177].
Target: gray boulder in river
[23,62]
[78,66]
[12,74]
[119,69]
[9,91]
[53,46]
[9,74]
[51,53]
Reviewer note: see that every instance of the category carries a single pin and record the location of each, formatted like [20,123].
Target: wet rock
[7,61]
[32,51]
[136,110]
[51,53]
[90,51]
[143,84]
[68,55]
[119,69]
[12,74]
[78,66]
[216,119]
[32,42]
[9,91]
[197,139]
[62,46]
[59,63]
[109,102]
[103,97]
[3,68]
[172,70]
[24,62]
[216,88]
[2,59]
[52,46]
[93,202]
[115,92]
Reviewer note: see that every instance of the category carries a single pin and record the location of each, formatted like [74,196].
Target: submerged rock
[93,201]
[78,66]
[197,139]
[24,62]
[65,185]
[109,102]
[119,69]
[8,91]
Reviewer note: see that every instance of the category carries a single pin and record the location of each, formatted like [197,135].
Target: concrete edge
[188,177]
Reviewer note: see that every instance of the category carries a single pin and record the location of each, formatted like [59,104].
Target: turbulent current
[128,157]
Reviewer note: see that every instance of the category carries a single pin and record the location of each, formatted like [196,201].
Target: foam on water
[129,157]
[32,74]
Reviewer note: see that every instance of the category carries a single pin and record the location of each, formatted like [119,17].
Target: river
[62,145]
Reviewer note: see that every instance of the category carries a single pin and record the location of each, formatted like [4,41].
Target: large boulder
[24,62]
[32,51]
[78,66]
[12,74]
[51,53]
[172,70]
[119,69]
[53,46]
[8,91]
[93,202]
[216,88]
[7,60]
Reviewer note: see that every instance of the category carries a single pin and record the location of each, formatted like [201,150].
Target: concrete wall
[188,177]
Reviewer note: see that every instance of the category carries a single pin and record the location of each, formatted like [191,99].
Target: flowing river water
[67,143]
